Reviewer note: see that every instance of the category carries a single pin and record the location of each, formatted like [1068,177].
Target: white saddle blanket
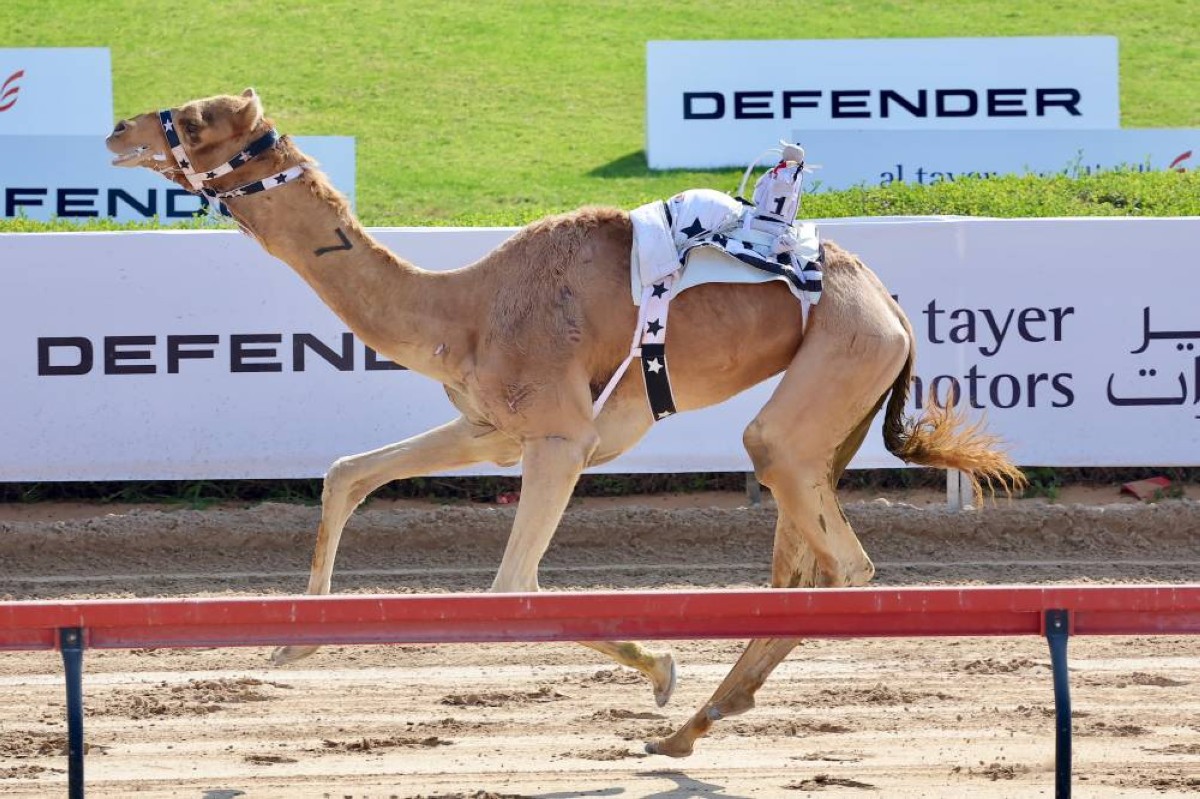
[701,233]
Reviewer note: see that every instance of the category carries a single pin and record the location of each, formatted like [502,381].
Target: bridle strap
[259,145]
[266,184]
[198,179]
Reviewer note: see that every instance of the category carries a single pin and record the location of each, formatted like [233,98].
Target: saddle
[702,236]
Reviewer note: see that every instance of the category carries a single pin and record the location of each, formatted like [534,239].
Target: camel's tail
[944,438]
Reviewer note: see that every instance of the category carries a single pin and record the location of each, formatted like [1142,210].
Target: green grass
[500,112]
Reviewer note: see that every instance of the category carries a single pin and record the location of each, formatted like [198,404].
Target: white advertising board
[707,102]
[55,91]
[879,158]
[72,177]
[194,355]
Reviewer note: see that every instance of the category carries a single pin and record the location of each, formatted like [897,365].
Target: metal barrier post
[1058,629]
[753,489]
[70,641]
[959,494]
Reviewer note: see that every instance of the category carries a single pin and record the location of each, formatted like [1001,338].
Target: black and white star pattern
[259,145]
[656,300]
[658,382]
[278,179]
[718,220]
[693,230]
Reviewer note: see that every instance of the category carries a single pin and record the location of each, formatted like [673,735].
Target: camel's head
[210,132]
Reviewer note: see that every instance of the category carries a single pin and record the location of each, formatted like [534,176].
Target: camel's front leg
[349,481]
[551,467]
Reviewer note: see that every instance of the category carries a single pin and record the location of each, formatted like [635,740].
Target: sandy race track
[883,718]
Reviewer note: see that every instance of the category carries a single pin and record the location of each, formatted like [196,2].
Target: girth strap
[649,345]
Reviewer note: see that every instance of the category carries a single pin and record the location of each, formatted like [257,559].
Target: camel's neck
[402,312]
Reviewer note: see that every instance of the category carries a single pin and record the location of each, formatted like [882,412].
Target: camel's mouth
[130,157]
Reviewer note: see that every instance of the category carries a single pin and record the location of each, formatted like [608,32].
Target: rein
[198,179]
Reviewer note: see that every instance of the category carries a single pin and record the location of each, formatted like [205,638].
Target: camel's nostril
[120,128]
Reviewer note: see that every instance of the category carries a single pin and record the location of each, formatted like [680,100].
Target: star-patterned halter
[198,179]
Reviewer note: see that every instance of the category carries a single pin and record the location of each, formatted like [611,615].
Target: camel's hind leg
[800,443]
[736,692]
[349,481]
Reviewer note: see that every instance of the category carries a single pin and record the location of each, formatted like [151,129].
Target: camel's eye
[192,128]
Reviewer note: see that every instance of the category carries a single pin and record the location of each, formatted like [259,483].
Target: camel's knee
[780,455]
[584,447]
[563,451]
[766,443]
[345,481]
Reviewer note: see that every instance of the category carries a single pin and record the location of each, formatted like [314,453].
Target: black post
[1058,628]
[753,489]
[70,642]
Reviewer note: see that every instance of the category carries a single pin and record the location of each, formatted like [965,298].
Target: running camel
[524,341]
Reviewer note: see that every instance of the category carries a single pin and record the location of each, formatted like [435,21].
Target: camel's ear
[251,113]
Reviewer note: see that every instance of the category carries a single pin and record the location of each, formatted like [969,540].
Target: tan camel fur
[525,339]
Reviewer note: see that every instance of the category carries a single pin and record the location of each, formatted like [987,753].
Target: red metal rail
[461,618]
[1053,612]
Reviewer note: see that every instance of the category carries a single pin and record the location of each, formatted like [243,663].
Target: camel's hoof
[669,747]
[284,655]
[663,678]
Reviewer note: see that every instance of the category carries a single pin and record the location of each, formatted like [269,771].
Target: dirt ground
[901,718]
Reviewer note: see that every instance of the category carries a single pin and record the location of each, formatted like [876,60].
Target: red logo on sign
[1176,163]
[8,92]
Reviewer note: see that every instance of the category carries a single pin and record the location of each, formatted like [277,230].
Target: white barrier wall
[193,354]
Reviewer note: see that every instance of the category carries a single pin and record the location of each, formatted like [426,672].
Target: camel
[525,339]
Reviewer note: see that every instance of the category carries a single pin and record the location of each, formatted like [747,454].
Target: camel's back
[559,294]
